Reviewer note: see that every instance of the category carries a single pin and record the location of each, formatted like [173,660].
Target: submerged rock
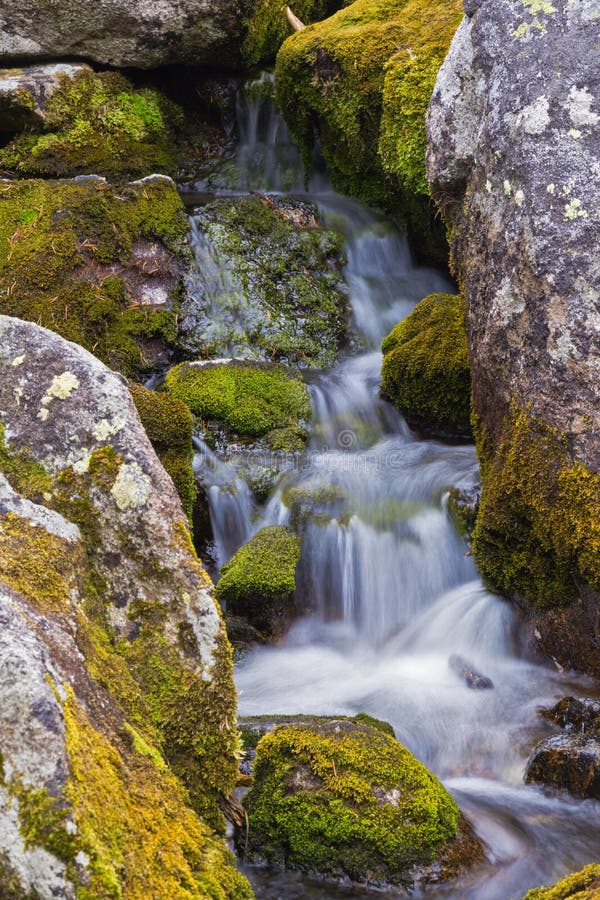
[268,283]
[338,798]
[251,401]
[471,677]
[259,581]
[425,371]
[513,161]
[117,712]
[99,265]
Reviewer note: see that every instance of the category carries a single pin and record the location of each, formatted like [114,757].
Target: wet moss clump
[98,123]
[283,298]
[342,799]
[269,27]
[538,529]
[254,401]
[583,885]
[260,579]
[79,257]
[425,371]
[168,423]
[363,79]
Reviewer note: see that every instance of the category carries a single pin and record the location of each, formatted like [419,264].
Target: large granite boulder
[117,712]
[142,34]
[513,161]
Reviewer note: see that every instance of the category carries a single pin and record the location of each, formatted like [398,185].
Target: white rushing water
[389,592]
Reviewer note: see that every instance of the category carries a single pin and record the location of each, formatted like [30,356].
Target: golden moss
[133,822]
[583,885]
[425,371]
[537,533]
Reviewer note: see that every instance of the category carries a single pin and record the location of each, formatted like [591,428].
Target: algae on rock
[269,286]
[100,266]
[252,400]
[425,371]
[342,799]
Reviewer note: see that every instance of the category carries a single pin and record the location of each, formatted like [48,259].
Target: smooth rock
[567,761]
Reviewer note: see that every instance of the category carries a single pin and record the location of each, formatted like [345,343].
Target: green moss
[372,722]
[60,243]
[261,571]
[168,423]
[253,400]
[285,298]
[97,122]
[346,800]
[269,27]
[538,530]
[583,885]
[43,822]
[364,78]
[425,371]
[25,475]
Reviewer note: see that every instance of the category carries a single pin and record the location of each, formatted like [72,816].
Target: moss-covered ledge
[425,371]
[583,885]
[363,79]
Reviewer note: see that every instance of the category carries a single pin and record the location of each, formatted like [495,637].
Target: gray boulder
[514,163]
[143,34]
[115,672]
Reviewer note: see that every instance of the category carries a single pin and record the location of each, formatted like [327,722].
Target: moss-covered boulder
[168,423]
[268,27]
[583,885]
[268,285]
[99,265]
[117,735]
[259,581]
[25,92]
[252,401]
[341,799]
[363,79]
[98,122]
[425,371]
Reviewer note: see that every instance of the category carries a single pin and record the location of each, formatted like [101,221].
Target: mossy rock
[364,78]
[425,371]
[583,885]
[268,27]
[537,536]
[168,423]
[75,257]
[253,400]
[284,297]
[98,123]
[259,581]
[342,799]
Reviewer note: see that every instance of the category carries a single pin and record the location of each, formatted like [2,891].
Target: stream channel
[389,590]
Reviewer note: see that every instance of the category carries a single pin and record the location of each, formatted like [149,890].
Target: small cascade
[388,590]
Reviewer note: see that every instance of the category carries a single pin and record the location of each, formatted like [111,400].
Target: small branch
[294,21]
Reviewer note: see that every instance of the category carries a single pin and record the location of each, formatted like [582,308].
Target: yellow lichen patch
[133,823]
[41,566]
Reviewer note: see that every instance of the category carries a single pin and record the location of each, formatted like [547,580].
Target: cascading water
[388,590]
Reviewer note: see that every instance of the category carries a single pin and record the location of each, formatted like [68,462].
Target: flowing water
[389,592]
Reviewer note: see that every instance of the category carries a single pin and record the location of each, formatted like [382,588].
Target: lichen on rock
[425,371]
[120,739]
[339,798]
